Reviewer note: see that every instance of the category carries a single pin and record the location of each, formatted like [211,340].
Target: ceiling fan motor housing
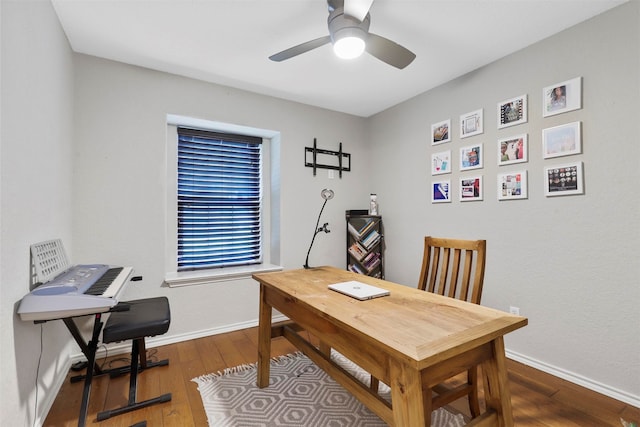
[341,25]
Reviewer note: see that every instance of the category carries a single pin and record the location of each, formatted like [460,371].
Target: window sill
[202,277]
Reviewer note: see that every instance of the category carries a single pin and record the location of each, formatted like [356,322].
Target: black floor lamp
[326,195]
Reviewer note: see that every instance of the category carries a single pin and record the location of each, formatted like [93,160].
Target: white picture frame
[441,163]
[441,132]
[562,97]
[470,188]
[563,140]
[471,157]
[512,111]
[441,191]
[513,149]
[512,185]
[563,180]
[471,123]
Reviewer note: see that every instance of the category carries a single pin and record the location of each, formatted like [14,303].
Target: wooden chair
[453,268]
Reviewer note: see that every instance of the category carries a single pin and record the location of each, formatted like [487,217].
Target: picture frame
[471,157]
[441,163]
[441,191]
[563,140]
[513,149]
[512,185]
[470,188]
[512,111]
[564,180]
[441,132]
[562,97]
[471,124]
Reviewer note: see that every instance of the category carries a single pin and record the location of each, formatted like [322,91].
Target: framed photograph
[470,188]
[441,162]
[563,140]
[471,157]
[563,180]
[512,185]
[441,132]
[562,97]
[512,111]
[471,124]
[441,191]
[513,149]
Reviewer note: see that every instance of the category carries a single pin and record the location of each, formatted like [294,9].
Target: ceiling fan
[348,24]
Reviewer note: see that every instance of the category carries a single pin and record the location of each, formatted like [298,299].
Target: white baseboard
[576,379]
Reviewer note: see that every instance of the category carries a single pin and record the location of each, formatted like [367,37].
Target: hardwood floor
[538,399]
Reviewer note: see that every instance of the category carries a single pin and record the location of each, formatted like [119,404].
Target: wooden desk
[407,339]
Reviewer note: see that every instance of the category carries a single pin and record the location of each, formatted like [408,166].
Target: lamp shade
[349,47]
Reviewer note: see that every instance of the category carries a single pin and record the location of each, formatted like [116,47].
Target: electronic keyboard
[78,291]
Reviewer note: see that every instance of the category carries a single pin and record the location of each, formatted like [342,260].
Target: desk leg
[496,387]
[407,397]
[264,340]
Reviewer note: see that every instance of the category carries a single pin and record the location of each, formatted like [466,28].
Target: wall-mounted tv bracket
[343,159]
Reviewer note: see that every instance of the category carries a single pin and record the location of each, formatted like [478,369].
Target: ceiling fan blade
[390,52]
[299,49]
[357,8]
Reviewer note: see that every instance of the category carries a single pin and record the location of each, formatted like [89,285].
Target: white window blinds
[219,199]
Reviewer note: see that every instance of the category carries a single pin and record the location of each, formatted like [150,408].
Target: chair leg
[132,405]
[474,403]
[142,352]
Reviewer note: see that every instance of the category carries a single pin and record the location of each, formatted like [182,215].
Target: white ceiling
[229,42]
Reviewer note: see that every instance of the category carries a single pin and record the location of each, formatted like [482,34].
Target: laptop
[358,290]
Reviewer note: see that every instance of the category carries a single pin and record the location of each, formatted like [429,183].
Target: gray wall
[36,123]
[569,263]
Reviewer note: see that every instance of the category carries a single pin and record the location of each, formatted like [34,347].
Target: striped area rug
[299,395]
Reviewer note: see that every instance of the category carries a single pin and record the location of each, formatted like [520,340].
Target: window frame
[270,214]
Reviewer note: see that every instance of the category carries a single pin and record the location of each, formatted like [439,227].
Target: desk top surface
[419,325]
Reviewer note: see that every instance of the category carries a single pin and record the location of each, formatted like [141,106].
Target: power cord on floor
[79,366]
[151,356]
[35,405]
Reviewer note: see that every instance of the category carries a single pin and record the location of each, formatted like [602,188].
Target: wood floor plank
[210,355]
[538,399]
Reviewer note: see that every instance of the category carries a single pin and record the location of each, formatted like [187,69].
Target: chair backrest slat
[454,268]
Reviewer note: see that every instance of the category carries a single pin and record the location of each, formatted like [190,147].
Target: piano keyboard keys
[103,283]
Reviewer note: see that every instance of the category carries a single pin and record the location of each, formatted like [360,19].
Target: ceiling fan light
[349,47]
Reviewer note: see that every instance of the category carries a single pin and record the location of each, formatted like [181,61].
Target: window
[219,195]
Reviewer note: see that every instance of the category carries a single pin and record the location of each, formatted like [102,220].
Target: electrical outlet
[514,310]
[331,174]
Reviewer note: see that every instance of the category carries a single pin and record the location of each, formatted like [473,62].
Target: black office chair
[135,320]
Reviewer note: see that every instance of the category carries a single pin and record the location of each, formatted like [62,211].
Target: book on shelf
[371,261]
[357,251]
[367,226]
[352,230]
[370,239]
[356,269]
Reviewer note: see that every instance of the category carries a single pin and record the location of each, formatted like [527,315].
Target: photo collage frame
[511,148]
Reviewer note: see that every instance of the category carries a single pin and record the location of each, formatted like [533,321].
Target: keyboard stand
[85,347]
[89,349]
[91,367]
